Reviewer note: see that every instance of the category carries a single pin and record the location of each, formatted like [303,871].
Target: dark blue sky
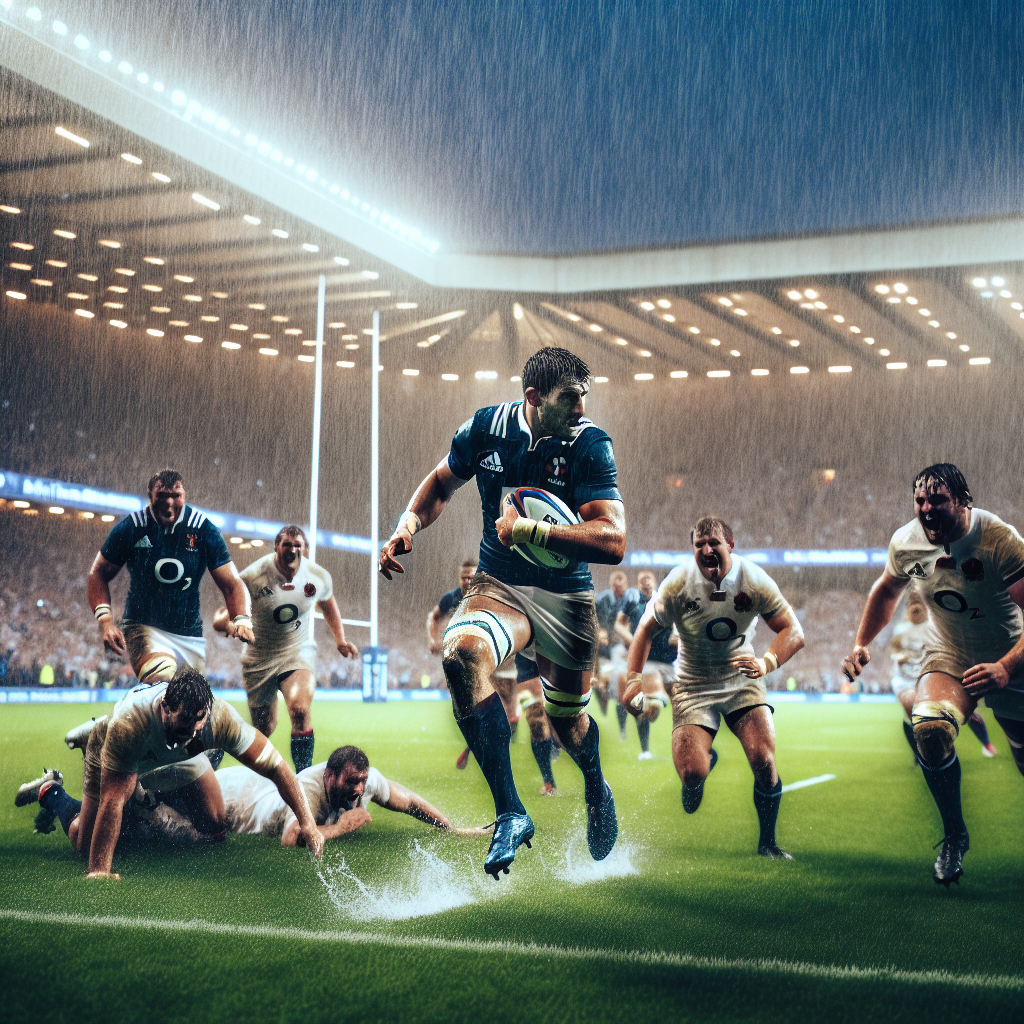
[566,127]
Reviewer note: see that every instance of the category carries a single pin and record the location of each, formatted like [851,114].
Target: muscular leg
[264,717]
[756,732]
[1014,731]
[506,691]
[531,700]
[906,698]
[977,725]
[298,688]
[691,754]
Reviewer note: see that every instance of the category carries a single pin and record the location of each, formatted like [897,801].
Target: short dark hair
[291,531]
[469,563]
[188,691]
[711,524]
[546,369]
[947,475]
[165,478]
[341,758]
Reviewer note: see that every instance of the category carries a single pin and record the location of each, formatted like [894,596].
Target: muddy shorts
[705,705]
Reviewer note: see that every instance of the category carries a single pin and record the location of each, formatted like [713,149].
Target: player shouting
[285,587]
[543,441]
[714,604]
[969,567]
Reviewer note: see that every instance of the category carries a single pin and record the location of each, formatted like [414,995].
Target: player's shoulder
[755,574]
[909,536]
[317,571]
[314,773]
[587,435]
[993,529]
[138,520]
[676,582]
[497,421]
[254,570]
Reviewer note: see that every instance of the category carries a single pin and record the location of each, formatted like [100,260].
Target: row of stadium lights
[194,112]
[27,509]
[988,292]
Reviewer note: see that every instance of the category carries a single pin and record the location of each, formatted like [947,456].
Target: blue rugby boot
[602,826]
[511,830]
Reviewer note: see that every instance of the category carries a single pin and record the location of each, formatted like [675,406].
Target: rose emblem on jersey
[742,602]
[973,570]
[309,590]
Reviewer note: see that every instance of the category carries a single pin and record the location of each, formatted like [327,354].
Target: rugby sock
[977,725]
[542,752]
[908,731]
[302,750]
[767,806]
[55,798]
[488,734]
[944,784]
[588,759]
[643,730]
[623,716]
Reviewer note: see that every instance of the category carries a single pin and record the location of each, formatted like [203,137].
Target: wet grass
[858,894]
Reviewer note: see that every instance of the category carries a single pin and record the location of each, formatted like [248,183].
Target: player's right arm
[429,501]
[434,631]
[621,629]
[116,788]
[348,822]
[98,590]
[631,695]
[878,612]
[221,620]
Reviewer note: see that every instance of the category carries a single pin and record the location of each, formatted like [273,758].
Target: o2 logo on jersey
[722,630]
[951,601]
[286,615]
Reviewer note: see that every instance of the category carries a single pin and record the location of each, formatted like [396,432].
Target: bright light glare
[203,201]
[979,361]
[65,234]
[406,305]
[410,373]
[997,282]
[278,233]
[678,374]
[154,333]
[16,295]
[250,219]
[11,209]
[232,345]
[71,137]
[979,282]
[161,177]
[758,373]
[936,362]
[719,373]
[840,369]
[268,351]
[109,243]
[486,375]
[882,289]
[341,261]
[193,338]
[647,305]
[900,289]
[643,376]
[794,295]
[799,369]
[88,314]
[344,363]
[131,158]
[310,247]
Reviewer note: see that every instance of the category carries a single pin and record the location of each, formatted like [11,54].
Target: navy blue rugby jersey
[166,567]
[608,608]
[497,447]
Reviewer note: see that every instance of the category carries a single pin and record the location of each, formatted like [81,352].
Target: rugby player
[969,566]
[714,604]
[512,605]
[606,674]
[907,651]
[155,737]
[167,546]
[284,588]
[659,661]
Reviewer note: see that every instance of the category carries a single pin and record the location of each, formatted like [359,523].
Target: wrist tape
[102,610]
[529,531]
[771,663]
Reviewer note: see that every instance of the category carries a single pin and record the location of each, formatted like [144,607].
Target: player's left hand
[504,526]
[314,841]
[748,665]
[347,649]
[984,678]
[241,632]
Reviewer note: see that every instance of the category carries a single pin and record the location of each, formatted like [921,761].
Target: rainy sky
[533,127]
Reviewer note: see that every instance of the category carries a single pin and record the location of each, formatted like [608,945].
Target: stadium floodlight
[997,282]
[341,261]
[895,366]
[840,369]
[16,295]
[125,68]
[675,374]
[979,361]
[88,314]
[719,373]
[486,375]
[758,373]
[449,376]
[106,56]
[933,363]
[34,14]
[10,209]
[643,376]
[119,324]
[410,373]
[250,219]
[71,137]
[203,201]
[345,364]
[799,369]
[61,233]
[131,158]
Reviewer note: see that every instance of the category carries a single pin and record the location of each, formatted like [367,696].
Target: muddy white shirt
[909,640]
[135,740]
[967,592]
[712,632]
[254,806]
[281,609]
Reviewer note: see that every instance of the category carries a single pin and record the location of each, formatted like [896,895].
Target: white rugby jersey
[281,610]
[712,632]
[255,807]
[910,640]
[969,607]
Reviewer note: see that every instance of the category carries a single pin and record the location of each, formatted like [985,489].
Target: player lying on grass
[543,441]
[156,735]
[969,567]
[285,587]
[714,604]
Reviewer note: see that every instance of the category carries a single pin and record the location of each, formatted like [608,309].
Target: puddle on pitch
[425,885]
[576,866]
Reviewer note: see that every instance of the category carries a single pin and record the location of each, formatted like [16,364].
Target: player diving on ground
[714,603]
[969,567]
[515,604]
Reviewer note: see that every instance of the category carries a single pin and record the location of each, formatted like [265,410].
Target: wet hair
[549,367]
[341,758]
[469,563]
[188,691]
[166,478]
[711,524]
[291,531]
[945,474]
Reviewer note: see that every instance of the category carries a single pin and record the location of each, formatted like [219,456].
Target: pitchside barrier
[104,695]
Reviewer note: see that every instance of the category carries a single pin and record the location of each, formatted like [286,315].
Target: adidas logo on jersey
[144,542]
[917,570]
[492,462]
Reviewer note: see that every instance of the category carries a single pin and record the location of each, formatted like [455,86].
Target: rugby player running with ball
[513,604]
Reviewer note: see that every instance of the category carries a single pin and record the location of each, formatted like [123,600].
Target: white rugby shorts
[142,641]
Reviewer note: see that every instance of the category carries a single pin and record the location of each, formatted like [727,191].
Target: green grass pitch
[687,924]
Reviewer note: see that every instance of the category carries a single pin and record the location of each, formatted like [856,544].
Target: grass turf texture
[858,895]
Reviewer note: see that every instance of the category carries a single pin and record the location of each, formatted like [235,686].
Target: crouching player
[969,566]
[714,604]
[285,587]
[338,790]
[155,736]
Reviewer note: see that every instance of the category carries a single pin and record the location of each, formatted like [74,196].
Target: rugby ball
[534,503]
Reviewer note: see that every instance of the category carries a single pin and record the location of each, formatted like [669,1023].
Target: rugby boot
[949,865]
[44,823]
[773,852]
[78,738]
[602,825]
[462,760]
[692,796]
[511,830]
[29,792]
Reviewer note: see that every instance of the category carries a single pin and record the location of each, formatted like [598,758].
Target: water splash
[577,867]
[431,885]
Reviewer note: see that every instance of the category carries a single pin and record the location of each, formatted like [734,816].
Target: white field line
[656,958]
[807,782]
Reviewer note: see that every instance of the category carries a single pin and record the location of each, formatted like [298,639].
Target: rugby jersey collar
[525,427]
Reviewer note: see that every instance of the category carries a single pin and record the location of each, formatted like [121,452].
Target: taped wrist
[410,522]
[269,758]
[103,611]
[523,530]
[242,620]
[771,663]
